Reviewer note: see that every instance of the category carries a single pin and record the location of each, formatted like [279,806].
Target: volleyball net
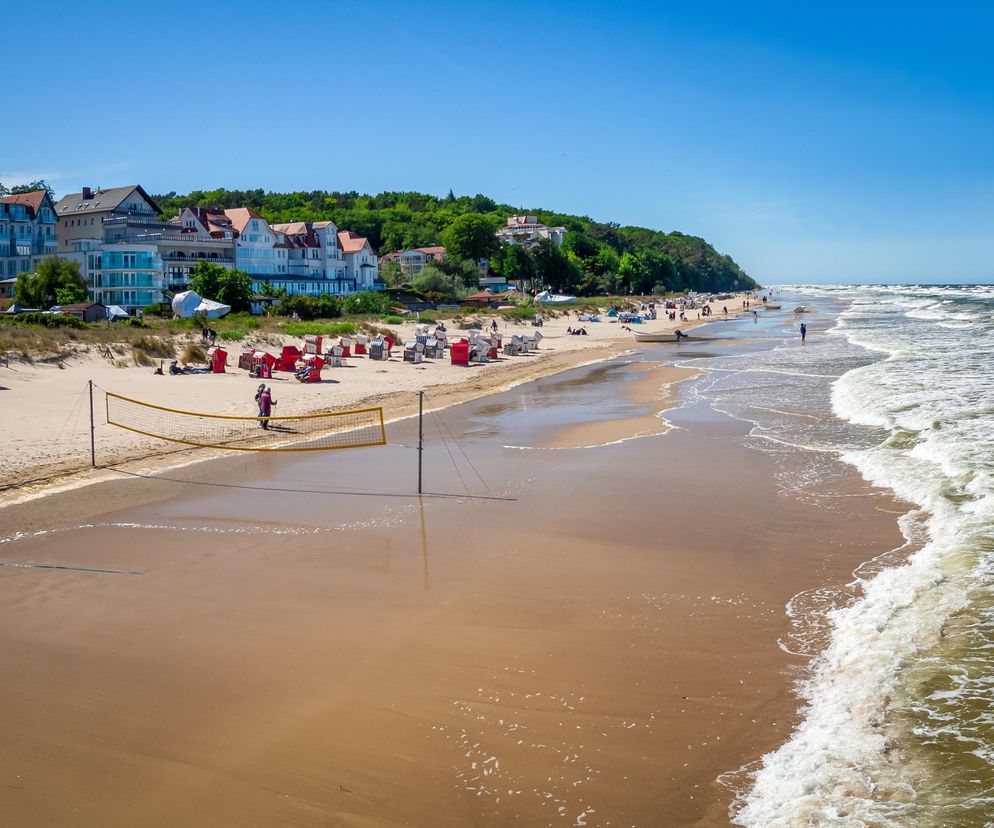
[300,432]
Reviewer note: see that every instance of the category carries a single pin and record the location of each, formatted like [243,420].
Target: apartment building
[27,232]
[413,261]
[528,231]
[81,215]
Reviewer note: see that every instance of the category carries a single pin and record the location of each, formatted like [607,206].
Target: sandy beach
[552,635]
[48,403]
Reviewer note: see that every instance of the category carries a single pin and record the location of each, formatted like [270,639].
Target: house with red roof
[361,261]
[414,260]
[27,231]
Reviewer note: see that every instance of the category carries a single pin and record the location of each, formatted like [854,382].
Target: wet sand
[562,637]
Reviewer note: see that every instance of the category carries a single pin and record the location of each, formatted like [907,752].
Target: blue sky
[852,142]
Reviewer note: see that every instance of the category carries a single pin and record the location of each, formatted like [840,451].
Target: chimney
[87,194]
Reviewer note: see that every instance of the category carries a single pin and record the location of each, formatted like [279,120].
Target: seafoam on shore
[896,727]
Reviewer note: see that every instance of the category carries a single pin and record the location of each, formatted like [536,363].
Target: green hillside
[595,257]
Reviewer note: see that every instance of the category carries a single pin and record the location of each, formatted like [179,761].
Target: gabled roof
[32,200]
[101,201]
[241,216]
[352,242]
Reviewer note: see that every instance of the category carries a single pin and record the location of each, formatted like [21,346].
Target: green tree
[391,273]
[39,184]
[554,269]
[54,281]
[267,288]
[366,302]
[514,262]
[471,236]
[433,280]
[229,287]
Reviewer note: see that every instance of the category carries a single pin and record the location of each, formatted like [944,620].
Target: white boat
[801,309]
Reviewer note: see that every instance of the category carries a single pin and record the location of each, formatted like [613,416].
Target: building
[27,231]
[413,261]
[361,261]
[85,311]
[81,216]
[527,231]
[7,288]
[316,263]
[128,274]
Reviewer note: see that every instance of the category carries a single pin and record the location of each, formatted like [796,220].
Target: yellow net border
[330,429]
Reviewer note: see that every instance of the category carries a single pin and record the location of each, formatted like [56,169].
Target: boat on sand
[663,336]
[772,307]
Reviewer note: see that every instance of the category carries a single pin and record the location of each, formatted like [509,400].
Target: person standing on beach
[804,332]
[266,403]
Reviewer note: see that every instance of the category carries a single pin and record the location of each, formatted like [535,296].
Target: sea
[896,726]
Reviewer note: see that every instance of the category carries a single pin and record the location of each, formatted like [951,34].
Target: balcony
[179,258]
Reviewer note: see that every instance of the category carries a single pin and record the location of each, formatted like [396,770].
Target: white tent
[189,303]
[116,312]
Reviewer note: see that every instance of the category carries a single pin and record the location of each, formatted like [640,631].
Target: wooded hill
[595,257]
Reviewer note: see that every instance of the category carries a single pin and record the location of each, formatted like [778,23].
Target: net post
[421,434]
[93,442]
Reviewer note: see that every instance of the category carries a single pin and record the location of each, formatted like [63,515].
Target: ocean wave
[871,738]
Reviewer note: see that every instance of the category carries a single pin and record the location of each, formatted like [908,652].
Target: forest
[595,257]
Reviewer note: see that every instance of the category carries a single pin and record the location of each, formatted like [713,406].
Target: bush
[320,328]
[193,354]
[393,320]
[162,309]
[155,346]
[518,313]
[427,318]
[135,322]
[48,320]
[367,303]
[310,307]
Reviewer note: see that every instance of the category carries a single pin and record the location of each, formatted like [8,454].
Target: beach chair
[311,372]
[346,343]
[287,360]
[378,349]
[312,344]
[360,344]
[459,352]
[335,358]
[217,359]
[246,358]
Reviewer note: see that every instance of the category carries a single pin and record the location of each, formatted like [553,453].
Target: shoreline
[557,354]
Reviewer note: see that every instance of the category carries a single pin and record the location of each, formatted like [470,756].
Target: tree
[392,274]
[267,288]
[554,269]
[39,184]
[471,236]
[229,287]
[54,281]
[434,280]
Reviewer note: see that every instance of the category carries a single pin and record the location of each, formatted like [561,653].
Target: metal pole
[93,445]
[421,434]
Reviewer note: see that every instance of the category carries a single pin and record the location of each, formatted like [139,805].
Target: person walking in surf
[804,332]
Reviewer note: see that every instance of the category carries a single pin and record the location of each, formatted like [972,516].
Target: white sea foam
[852,760]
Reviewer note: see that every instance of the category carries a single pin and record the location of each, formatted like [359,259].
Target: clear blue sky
[838,143]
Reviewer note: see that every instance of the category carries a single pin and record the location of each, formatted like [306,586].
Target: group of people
[264,399]
[209,335]
[577,332]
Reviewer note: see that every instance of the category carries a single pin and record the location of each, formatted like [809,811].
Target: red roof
[33,199]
